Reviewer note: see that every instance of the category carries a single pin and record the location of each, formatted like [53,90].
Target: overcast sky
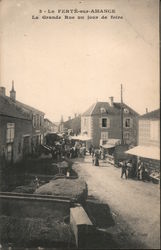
[63,66]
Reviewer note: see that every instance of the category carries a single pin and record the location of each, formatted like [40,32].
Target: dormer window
[103,110]
[126,111]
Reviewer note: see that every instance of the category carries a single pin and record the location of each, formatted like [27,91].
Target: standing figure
[90,149]
[141,170]
[129,169]
[103,154]
[123,169]
[140,167]
[92,152]
[143,173]
[84,149]
[96,162]
[100,152]
[93,159]
[37,182]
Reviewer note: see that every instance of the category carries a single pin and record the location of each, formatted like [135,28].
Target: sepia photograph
[79,124]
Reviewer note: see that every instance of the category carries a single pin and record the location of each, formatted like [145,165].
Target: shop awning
[111,143]
[150,152]
[81,138]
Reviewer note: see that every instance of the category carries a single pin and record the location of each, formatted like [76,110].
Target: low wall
[82,226]
[34,206]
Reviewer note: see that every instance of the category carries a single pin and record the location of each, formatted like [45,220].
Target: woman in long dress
[96,158]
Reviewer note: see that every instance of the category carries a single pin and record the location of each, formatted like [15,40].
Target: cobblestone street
[131,203]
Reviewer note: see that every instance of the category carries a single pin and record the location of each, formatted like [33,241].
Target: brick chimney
[2,91]
[13,92]
[146,110]
[111,99]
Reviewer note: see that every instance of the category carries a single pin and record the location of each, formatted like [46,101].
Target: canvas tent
[150,152]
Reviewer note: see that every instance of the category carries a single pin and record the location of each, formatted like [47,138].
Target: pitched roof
[89,110]
[74,122]
[29,107]
[95,109]
[46,119]
[155,114]
[19,106]
[10,108]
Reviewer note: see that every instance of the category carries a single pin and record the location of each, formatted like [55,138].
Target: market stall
[150,156]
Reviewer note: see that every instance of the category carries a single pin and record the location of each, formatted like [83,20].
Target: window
[103,110]
[41,121]
[126,111]
[104,136]
[37,120]
[105,122]
[85,122]
[34,121]
[128,123]
[10,132]
[127,135]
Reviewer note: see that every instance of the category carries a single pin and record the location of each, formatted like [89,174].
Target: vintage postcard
[79,124]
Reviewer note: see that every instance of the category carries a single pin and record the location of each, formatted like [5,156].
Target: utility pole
[122,134]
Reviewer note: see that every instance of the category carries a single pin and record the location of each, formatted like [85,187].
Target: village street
[135,205]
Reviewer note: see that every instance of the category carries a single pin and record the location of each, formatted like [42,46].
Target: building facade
[73,125]
[21,127]
[49,126]
[148,148]
[102,123]
[149,129]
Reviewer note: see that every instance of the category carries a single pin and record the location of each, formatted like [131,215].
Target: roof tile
[95,109]
[155,114]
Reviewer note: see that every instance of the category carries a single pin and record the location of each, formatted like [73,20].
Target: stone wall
[114,130]
[31,206]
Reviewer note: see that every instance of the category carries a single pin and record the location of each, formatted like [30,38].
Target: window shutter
[131,122]
[108,123]
[100,122]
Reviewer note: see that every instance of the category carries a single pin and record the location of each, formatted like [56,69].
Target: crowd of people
[66,148]
[129,169]
[73,149]
[97,154]
[139,171]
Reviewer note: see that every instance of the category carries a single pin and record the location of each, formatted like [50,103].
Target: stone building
[49,126]
[148,149]
[73,124]
[21,127]
[102,123]
[149,129]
